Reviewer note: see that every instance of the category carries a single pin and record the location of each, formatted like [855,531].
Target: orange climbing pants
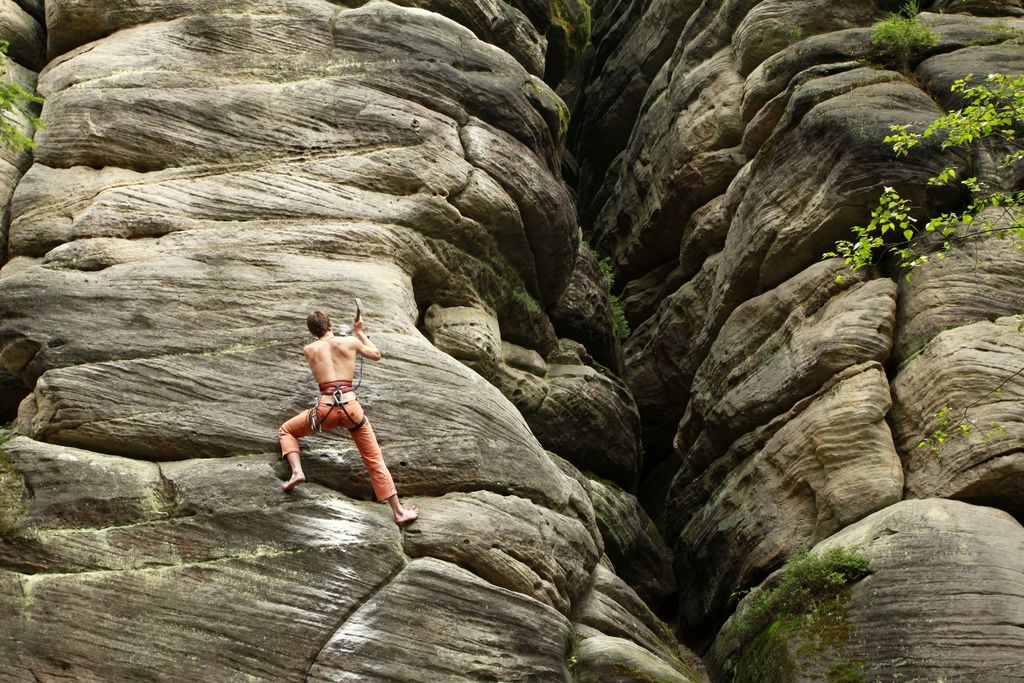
[331,418]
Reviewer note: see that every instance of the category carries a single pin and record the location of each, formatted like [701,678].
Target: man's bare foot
[407,515]
[294,481]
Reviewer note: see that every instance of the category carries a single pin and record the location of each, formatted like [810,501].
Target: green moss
[766,659]
[570,658]
[577,32]
[1003,33]
[525,300]
[13,496]
[808,582]
[846,672]
[550,98]
[797,646]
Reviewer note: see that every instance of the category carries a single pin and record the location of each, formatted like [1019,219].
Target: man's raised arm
[367,347]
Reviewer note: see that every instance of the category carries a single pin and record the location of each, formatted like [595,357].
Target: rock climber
[332,360]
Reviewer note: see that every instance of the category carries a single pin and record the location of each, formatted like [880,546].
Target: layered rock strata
[723,147]
[206,177]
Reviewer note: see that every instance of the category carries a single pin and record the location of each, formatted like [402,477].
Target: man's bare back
[333,358]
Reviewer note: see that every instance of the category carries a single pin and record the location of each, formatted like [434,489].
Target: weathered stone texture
[613,609]
[584,312]
[943,600]
[979,280]
[974,373]
[779,347]
[476,631]
[825,464]
[633,543]
[206,177]
[687,137]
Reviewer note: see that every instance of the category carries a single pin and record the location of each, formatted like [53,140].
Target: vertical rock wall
[209,173]
[723,147]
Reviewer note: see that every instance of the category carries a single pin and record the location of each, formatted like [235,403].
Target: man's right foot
[407,515]
[294,481]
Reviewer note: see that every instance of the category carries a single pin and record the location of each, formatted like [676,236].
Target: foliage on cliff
[13,99]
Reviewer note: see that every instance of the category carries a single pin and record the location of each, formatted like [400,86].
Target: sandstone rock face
[639,637]
[631,46]
[717,184]
[209,175]
[826,463]
[20,67]
[965,382]
[25,37]
[633,543]
[574,407]
[978,282]
[943,599]
[777,348]
[584,311]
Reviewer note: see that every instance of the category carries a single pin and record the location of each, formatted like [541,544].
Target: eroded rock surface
[728,165]
[942,599]
[206,177]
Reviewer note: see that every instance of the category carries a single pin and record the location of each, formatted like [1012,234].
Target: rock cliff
[207,175]
[210,172]
[722,148]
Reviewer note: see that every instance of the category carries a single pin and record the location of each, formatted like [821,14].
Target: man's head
[319,323]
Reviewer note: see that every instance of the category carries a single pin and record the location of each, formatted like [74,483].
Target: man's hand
[357,326]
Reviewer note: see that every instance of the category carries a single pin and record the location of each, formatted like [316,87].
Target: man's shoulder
[344,343]
[312,346]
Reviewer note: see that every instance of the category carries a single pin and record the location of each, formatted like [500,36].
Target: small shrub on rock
[902,38]
[808,582]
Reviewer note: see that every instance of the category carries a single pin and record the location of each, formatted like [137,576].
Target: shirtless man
[332,361]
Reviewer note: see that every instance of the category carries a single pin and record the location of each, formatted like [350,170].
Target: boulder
[938,73]
[588,417]
[942,600]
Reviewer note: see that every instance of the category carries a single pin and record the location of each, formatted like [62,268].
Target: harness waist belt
[343,385]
